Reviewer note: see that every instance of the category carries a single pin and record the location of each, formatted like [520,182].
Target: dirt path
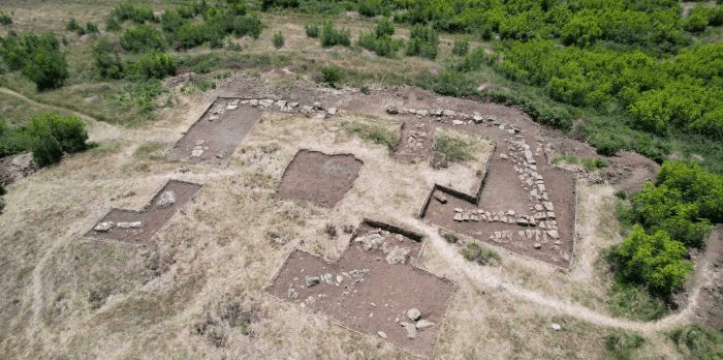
[490,278]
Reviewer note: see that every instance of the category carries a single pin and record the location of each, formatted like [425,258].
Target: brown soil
[152,217]
[319,178]
[16,167]
[217,133]
[710,301]
[373,295]
[417,140]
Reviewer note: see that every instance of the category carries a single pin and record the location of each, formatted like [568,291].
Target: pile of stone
[198,149]
[415,140]
[457,118]
[416,324]
[289,106]
[216,112]
[106,226]
[390,245]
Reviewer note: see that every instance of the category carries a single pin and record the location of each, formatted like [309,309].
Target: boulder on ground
[411,329]
[312,280]
[414,314]
[167,199]
[104,226]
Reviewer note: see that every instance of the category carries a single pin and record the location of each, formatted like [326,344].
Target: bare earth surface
[319,178]
[370,288]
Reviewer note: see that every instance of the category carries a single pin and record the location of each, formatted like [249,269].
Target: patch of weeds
[312,30]
[96,297]
[570,159]
[331,75]
[451,238]
[696,341]
[374,133]
[150,150]
[365,90]
[5,19]
[461,46]
[330,229]
[634,302]
[593,164]
[331,36]
[453,147]
[438,161]
[622,344]
[278,40]
[474,252]
[348,229]
[621,194]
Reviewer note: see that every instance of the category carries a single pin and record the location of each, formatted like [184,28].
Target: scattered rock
[254,102]
[537,245]
[104,226]
[424,324]
[232,105]
[441,198]
[457,122]
[312,281]
[281,104]
[266,103]
[458,217]
[556,327]
[397,256]
[332,111]
[130,225]
[328,278]
[414,314]
[459,210]
[166,199]
[382,334]
[318,106]
[293,295]
[554,234]
[411,329]
[448,112]
[370,241]
[392,110]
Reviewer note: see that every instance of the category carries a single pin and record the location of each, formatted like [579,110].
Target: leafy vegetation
[278,40]
[47,135]
[423,42]
[38,57]
[668,217]
[5,19]
[622,345]
[380,41]
[461,46]
[453,147]
[312,30]
[483,256]
[331,36]
[697,342]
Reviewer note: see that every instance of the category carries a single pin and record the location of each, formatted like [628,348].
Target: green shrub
[480,255]
[696,341]
[280,4]
[278,40]
[632,301]
[5,19]
[172,21]
[74,27]
[108,63]
[655,261]
[365,90]
[156,65]
[40,59]
[596,163]
[128,11]
[332,37]
[2,190]
[474,60]
[112,25]
[141,38]
[461,46]
[312,30]
[622,345]
[606,144]
[53,135]
[384,28]
[331,75]
[423,42]
[91,28]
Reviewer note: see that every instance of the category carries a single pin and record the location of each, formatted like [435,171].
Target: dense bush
[278,40]
[380,41]
[128,11]
[281,4]
[39,58]
[655,261]
[142,38]
[474,60]
[156,65]
[53,135]
[112,25]
[330,36]
[73,26]
[91,28]
[423,42]
[331,75]
[107,62]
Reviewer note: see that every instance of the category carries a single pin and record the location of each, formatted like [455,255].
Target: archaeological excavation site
[361,179]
